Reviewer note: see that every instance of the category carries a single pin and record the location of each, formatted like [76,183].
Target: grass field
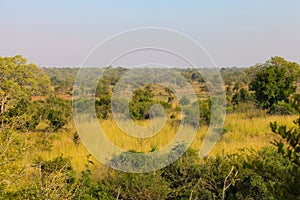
[241,131]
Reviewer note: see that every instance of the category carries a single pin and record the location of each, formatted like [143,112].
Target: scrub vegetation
[257,155]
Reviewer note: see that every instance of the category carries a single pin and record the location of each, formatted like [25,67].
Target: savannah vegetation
[256,157]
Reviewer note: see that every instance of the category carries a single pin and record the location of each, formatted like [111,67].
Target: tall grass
[244,132]
[240,131]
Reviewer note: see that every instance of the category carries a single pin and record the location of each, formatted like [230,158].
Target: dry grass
[63,144]
[125,141]
[241,132]
[244,132]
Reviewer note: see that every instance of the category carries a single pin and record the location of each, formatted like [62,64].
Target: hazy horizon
[235,33]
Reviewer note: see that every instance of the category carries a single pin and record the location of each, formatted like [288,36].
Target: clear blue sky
[235,32]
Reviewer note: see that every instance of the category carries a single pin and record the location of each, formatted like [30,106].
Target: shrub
[282,108]
[137,186]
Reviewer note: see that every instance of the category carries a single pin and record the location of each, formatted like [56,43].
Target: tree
[57,112]
[20,79]
[293,68]
[141,102]
[274,82]
[242,95]
[24,116]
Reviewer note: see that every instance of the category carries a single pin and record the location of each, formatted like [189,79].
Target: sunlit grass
[244,132]
[125,141]
[63,145]
[240,132]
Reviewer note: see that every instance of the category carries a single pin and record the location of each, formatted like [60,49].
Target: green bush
[137,186]
[282,108]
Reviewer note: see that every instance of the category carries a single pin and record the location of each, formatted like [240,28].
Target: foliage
[24,116]
[292,137]
[76,138]
[12,148]
[53,179]
[183,176]
[20,79]
[204,113]
[273,83]
[58,112]
[282,108]
[231,75]
[137,186]
[281,169]
[242,96]
[269,173]
[62,79]
[90,189]
[143,106]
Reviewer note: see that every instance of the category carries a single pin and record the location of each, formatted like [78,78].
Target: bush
[137,186]
[242,96]
[251,187]
[282,108]
[103,107]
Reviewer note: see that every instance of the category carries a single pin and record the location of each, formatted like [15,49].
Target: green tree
[141,102]
[57,112]
[20,79]
[293,68]
[273,83]
[24,116]
[242,95]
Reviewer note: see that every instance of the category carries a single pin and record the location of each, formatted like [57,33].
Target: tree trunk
[2,107]
[3,102]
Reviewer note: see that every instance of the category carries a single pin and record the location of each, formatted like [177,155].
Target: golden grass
[63,145]
[242,132]
[125,141]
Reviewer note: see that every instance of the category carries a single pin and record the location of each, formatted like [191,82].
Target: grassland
[240,131]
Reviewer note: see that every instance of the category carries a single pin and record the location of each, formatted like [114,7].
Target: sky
[56,33]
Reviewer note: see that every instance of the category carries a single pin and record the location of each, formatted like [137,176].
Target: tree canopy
[20,79]
[274,82]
